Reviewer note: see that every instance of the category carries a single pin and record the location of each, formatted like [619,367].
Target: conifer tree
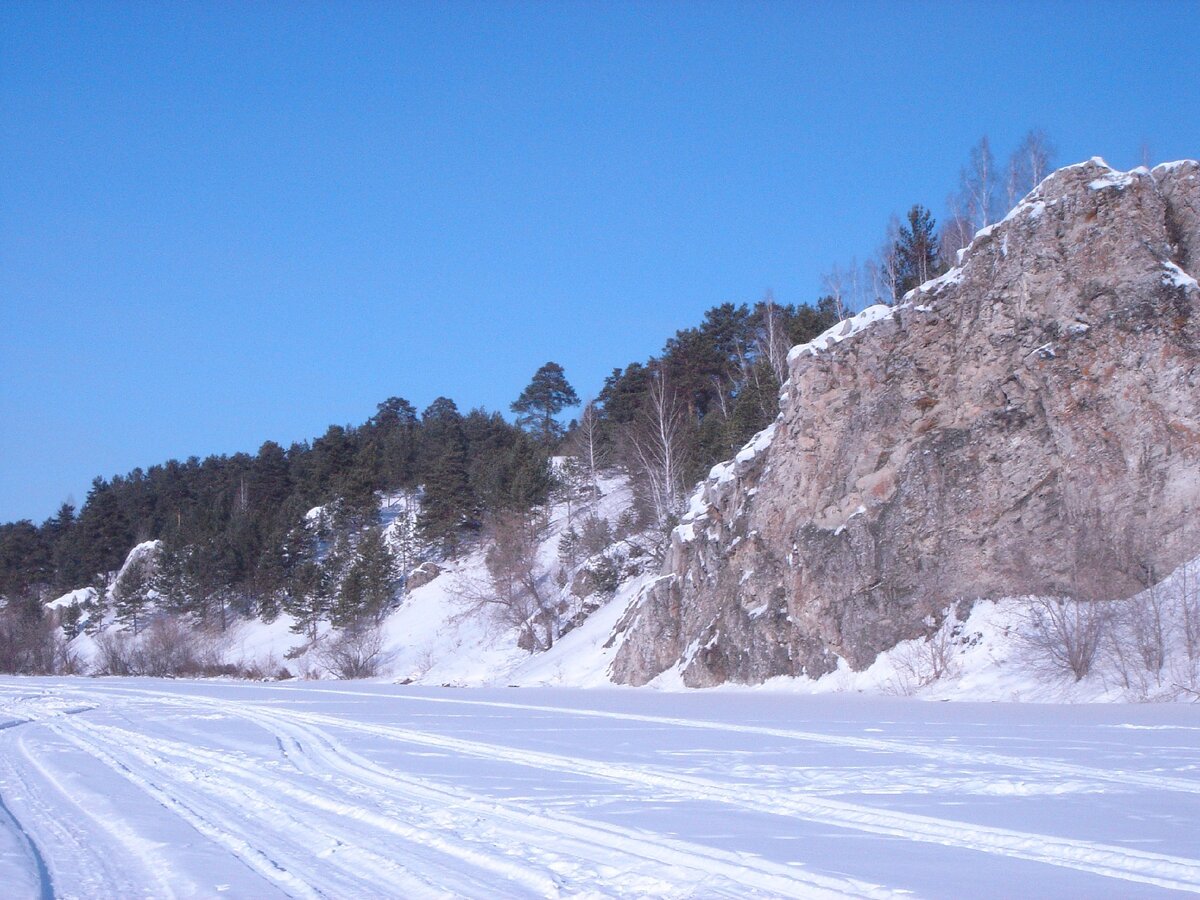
[447,504]
[369,587]
[131,593]
[916,251]
[545,397]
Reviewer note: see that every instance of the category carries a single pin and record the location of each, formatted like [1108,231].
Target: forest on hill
[236,535]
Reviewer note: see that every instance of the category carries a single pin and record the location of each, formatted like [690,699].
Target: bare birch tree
[772,343]
[834,283]
[978,185]
[956,231]
[657,439]
[889,260]
[586,445]
[1028,165]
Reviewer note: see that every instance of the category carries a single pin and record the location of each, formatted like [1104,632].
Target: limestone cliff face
[1027,424]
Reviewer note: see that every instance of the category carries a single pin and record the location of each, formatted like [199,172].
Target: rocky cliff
[1029,423]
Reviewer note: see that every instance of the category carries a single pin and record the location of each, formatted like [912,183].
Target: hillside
[955,487]
[1026,424]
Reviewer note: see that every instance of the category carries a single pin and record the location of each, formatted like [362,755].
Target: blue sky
[227,223]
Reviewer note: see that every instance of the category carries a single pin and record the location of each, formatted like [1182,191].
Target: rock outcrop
[1029,423]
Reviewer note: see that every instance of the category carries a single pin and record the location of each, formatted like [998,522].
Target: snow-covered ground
[143,788]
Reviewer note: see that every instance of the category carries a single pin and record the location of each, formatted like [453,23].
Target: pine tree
[369,587]
[916,251]
[447,505]
[545,397]
[131,593]
[308,598]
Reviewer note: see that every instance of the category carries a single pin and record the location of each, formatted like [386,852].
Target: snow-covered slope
[438,635]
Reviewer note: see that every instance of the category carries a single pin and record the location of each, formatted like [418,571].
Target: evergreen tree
[131,593]
[105,535]
[369,587]
[309,598]
[545,397]
[395,426]
[447,505]
[916,251]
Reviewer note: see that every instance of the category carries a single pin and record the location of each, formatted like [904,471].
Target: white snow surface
[847,328]
[1177,277]
[143,788]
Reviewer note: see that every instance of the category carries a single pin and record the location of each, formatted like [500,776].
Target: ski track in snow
[320,820]
[236,805]
[936,753]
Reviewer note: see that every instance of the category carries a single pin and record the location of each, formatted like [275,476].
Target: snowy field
[141,788]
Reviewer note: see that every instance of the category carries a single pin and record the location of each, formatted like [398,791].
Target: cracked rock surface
[1027,424]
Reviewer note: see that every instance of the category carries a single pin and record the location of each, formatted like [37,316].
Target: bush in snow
[1065,635]
[355,652]
[166,648]
[921,662]
[31,642]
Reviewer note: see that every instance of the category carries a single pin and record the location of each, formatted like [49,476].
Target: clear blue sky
[227,223]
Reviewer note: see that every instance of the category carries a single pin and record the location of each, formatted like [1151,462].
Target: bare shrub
[1188,586]
[1065,634]
[29,644]
[1137,638]
[919,664]
[166,649]
[355,652]
[114,653]
[518,589]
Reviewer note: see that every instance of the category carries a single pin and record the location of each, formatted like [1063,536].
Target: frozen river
[142,788]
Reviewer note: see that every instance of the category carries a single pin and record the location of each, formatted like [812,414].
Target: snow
[72,598]
[988,657]
[1175,164]
[137,787]
[1114,179]
[1176,277]
[756,445]
[843,330]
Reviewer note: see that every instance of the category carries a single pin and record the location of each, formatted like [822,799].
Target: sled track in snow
[458,844]
[876,745]
[1160,870]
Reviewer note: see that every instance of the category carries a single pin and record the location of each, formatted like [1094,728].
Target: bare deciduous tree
[956,230]
[1028,165]
[978,185]
[657,439]
[771,343]
[518,590]
[586,445]
[355,652]
[889,259]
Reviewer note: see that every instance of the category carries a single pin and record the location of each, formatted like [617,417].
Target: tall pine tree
[545,397]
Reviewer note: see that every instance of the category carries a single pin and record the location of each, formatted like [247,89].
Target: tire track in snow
[939,754]
[1160,870]
[45,885]
[303,857]
[627,862]
[1111,861]
[744,872]
[91,872]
